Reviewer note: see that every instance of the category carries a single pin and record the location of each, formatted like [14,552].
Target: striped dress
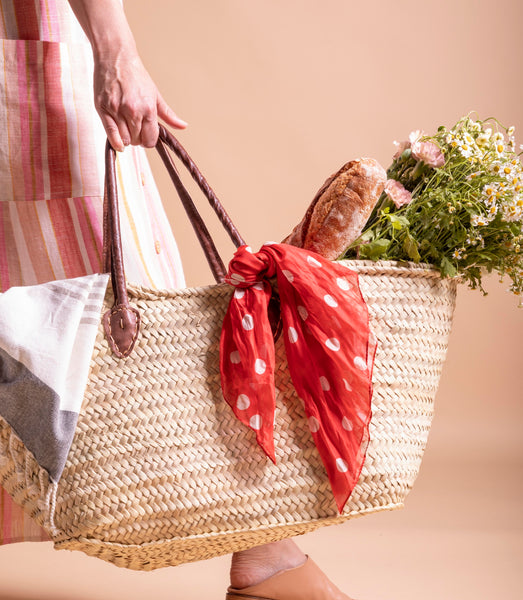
[51,175]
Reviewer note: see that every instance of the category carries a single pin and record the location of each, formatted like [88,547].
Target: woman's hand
[129,102]
[125,96]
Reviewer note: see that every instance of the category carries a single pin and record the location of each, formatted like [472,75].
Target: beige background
[279,94]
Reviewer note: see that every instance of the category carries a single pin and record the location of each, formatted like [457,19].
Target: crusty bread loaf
[340,209]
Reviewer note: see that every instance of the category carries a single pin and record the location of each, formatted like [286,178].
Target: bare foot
[251,567]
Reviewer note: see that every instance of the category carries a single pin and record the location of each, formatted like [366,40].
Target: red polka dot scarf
[330,351]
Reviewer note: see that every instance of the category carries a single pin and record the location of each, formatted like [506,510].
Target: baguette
[340,209]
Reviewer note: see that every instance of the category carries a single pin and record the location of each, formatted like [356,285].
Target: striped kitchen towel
[47,335]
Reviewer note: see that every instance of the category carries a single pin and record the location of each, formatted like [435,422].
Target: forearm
[125,96]
[106,27]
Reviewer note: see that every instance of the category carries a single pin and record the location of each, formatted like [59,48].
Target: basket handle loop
[122,321]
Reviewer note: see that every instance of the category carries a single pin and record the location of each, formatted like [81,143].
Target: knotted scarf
[329,346]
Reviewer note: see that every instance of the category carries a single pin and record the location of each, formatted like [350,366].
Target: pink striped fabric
[51,176]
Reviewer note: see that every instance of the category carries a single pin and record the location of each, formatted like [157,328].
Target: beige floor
[460,536]
[457,539]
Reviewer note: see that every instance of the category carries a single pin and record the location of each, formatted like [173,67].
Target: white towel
[47,335]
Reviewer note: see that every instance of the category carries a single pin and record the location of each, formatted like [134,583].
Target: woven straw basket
[161,472]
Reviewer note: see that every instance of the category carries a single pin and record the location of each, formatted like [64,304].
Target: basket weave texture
[161,472]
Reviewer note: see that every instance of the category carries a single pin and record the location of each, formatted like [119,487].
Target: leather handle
[122,321]
[168,138]
[202,233]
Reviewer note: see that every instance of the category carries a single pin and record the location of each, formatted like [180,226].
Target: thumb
[167,114]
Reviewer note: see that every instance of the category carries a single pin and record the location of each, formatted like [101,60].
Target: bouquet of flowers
[454,200]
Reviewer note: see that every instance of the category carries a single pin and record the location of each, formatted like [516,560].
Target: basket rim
[363,267]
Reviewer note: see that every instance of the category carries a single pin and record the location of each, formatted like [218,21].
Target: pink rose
[415,136]
[429,153]
[397,193]
[400,147]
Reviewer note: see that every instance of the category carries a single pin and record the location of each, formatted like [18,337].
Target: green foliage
[375,249]
[465,217]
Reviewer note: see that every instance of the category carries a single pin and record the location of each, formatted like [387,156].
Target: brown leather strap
[122,322]
[202,233]
[113,245]
[168,138]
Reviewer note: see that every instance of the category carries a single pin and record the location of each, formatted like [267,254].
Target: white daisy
[465,150]
[495,167]
[451,140]
[499,147]
[489,201]
[482,140]
[508,171]
[513,210]
[478,221]
[517,182]
[475,126]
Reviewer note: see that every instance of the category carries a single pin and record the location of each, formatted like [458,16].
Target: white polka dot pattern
[361,415]
[341,465]
[330,301]
[360,363]
[235,357]
[333,344]
[248,322]
[302,311]
[342,283]
[255,422]
[314,424]
[313,261]
[329,354]
[346,424]
[236,277]
[260,366]
[243,402]
[325,385]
